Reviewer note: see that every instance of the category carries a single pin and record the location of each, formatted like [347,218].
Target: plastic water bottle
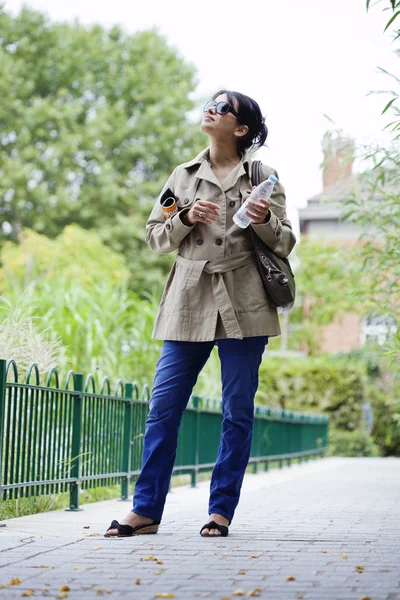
[264,190]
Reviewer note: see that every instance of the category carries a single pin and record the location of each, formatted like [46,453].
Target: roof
[329,204]
[338,191]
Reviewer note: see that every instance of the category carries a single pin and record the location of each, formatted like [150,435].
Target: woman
[214,295]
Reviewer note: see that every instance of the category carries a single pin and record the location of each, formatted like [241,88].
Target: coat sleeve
[166,235]
[277,233]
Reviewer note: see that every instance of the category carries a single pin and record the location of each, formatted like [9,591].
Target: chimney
[338,157]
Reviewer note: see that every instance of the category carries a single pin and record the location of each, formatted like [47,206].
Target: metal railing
[56,439]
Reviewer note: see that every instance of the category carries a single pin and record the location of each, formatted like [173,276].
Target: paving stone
[297,522]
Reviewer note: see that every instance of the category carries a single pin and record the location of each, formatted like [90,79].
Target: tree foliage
[75,255]
[92,122]
[377,210]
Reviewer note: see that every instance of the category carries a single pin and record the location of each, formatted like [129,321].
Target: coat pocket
[186,195]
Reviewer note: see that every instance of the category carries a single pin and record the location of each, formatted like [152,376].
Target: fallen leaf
[28,593]
[103,592]
[330,520]
[255,556]
[148,558]
[242,572]
[15,581]
[366,598]
[86,527]
[137,581]
[63,595]
[65,588]
[82,568]
[384,570]
[324,551]
[238,593]
[255,592]
[3,587]
[157,572]
[359,568]
[345,556]
[165,595]
[99,548]
[44,567]
[290,578]
[159,562]
[226,598]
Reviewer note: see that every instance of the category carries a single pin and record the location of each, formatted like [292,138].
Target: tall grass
[98,330]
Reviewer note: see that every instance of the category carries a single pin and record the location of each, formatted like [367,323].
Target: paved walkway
[325,530]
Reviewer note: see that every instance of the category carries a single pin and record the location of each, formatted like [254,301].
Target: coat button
[218,241]
[186,201]
[232,203]
[199,242]
[168,226]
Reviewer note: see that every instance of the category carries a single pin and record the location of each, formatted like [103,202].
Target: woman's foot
[218,519]
[132,519]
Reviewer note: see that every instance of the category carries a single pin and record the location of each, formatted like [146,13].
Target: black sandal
[223,529]
[128,531]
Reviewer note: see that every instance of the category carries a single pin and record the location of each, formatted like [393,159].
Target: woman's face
[217,125]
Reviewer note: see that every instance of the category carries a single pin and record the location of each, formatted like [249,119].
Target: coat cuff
[177,230]
[269,232]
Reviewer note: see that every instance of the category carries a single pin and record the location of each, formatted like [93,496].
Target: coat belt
[216,268]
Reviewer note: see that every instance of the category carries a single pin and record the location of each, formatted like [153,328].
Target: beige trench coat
[214,290]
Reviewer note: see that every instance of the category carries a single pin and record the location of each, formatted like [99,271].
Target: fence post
[196,439]
[3,365]
[126,447]
[76,444]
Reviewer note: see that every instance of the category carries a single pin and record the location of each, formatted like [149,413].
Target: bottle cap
[273,178]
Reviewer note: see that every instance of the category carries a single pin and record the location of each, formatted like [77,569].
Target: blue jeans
[176,374]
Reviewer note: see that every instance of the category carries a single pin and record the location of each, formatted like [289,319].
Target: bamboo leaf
[388,105]
[389,74]
[389,125]
[391,20]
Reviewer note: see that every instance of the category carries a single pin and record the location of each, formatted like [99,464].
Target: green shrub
[386,423]
[351,443]
[334,388]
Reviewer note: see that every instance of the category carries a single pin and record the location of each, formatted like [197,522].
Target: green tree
[325,280]
[92,122]
[380,220]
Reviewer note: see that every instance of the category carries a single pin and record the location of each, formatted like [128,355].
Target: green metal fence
[58,439]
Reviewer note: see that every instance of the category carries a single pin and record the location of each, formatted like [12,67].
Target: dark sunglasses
[222,108]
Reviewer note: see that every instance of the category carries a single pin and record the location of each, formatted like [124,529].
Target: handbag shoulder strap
[256,175]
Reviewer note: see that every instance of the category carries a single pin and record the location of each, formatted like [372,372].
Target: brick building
[321,219]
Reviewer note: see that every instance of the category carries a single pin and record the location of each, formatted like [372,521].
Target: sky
[306,62]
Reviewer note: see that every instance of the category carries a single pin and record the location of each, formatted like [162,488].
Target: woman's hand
[202,211]
[258,210]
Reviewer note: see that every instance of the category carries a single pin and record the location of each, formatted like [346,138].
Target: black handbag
[276,273]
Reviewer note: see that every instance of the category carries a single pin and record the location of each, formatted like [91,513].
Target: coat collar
[203,157]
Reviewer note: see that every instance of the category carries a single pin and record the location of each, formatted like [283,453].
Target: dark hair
[250,115]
